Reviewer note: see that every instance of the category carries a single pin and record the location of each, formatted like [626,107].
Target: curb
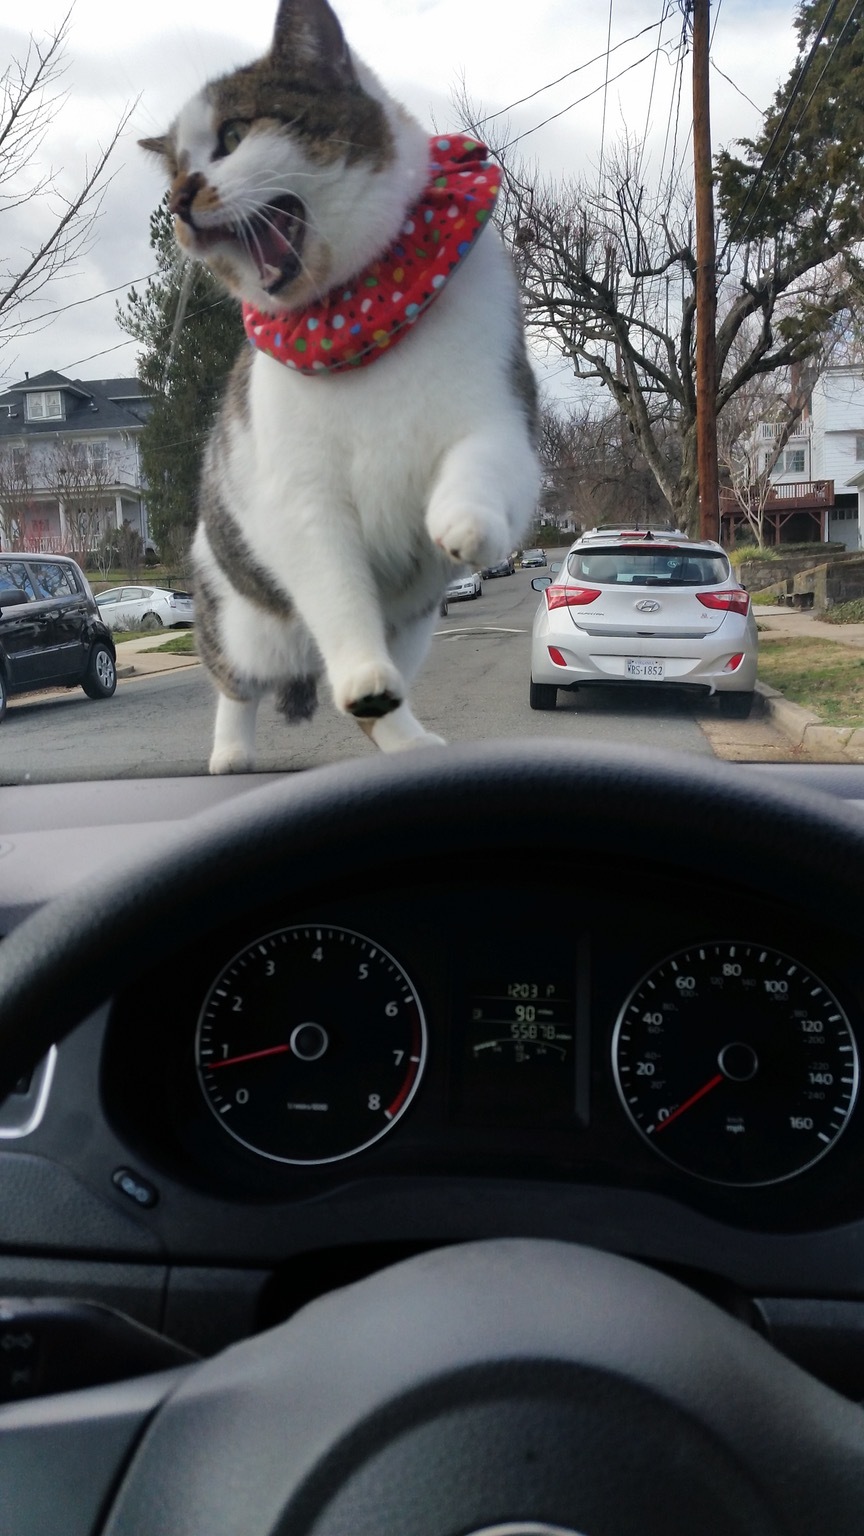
[843,743]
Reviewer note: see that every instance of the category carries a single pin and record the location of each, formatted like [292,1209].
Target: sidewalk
[825,743]
[140,657]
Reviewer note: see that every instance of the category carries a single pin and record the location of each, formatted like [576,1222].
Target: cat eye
[231,134]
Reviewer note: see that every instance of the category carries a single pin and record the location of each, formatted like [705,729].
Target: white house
[69,461]
[837,407]
[814,492]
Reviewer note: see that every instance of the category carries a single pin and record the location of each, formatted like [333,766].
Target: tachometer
[736,1063]
[311,1044]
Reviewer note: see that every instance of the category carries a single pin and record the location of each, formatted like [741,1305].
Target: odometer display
[735,1063]
[310,1045]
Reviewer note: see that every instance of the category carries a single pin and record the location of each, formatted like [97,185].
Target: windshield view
[217,609]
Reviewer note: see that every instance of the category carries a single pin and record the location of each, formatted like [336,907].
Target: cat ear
[308,32]
[155,146]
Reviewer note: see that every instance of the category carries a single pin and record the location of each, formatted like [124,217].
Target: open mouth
[272,238]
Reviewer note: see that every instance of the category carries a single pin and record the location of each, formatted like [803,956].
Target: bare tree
[16,494]
[758,422]
[594,470]
[608,277]
[31,95]
[81,480]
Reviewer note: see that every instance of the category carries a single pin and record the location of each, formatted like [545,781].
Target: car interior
[343,1193]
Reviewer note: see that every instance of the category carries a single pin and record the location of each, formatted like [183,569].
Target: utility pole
[706,282]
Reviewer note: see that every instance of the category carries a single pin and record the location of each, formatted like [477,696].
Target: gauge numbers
[310,1045]
[736,1063]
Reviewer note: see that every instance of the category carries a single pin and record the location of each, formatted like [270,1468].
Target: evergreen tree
[190,331]
[797,191]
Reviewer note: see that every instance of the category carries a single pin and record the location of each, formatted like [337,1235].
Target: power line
[605,90]
[569,74]
[586,97]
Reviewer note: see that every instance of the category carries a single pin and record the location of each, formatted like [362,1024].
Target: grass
[823,676]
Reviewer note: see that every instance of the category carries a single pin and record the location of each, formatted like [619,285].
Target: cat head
[290,174]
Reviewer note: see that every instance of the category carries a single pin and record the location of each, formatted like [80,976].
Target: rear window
[642,566]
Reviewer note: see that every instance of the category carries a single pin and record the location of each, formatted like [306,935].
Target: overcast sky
[155,53]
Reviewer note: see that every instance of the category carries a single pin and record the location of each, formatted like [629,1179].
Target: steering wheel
[509,1387]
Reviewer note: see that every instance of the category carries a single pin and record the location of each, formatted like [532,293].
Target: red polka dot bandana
[356,324]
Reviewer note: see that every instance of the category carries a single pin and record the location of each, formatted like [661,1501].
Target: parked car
[51,631]
[464,586]
[139,607]
[638,611]
[500,568]
[533,557]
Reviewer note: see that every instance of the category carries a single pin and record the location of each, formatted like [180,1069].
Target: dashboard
[518,1039]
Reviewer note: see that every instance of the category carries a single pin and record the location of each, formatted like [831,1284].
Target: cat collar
[361,321]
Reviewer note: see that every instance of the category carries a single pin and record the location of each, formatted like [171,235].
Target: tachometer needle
[231,1061]
[693,1099]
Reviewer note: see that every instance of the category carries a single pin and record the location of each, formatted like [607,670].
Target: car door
[63,605]
[23,626]
[134,603]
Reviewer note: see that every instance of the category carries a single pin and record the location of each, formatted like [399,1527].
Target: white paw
[470,535]
[230,760]
[369,692]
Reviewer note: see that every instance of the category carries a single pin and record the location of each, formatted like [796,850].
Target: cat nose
[183,195]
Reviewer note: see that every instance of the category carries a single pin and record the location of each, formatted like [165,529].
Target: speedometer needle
[230,1061]
[693,1099]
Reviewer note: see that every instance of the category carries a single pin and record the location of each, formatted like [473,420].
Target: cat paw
[230,760]
[370,692]
[469,535]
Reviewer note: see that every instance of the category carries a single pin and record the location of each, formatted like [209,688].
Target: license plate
[644,667]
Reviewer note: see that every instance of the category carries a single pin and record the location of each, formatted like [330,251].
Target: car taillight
[570,597]
[732,600]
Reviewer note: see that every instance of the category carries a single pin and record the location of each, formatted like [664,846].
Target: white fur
[344,479]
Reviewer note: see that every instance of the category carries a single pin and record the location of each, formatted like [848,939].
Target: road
[474,685]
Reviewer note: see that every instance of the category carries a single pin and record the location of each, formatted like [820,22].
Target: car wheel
[151,621]
[542,695]
[478,591]
[443,608]
[101,676]
[4,695]
[735,706]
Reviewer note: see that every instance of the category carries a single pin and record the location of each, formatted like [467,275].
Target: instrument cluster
[515,1038]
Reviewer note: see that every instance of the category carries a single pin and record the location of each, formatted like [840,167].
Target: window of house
[98,457]
[19,463]
[793,461]
[46,406]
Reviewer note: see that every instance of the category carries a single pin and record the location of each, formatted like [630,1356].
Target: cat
[378,433]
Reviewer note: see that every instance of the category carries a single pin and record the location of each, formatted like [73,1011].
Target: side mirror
[539,582]
[12,599]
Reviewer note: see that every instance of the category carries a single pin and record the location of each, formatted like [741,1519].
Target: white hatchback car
[641,610]
[138,607]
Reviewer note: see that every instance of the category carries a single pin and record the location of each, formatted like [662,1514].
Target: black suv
[51,635]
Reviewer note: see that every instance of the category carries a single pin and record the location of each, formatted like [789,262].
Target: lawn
[823,676]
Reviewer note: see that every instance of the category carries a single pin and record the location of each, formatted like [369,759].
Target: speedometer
[735,1063]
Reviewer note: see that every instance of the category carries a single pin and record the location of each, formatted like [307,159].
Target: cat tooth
[270,274]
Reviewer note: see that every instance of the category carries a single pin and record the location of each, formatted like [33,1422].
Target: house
[69,462]
[813,493]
